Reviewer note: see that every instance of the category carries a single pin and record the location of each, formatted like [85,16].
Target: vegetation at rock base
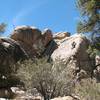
[49,80]
[88,89]
[55,79]
[52,80]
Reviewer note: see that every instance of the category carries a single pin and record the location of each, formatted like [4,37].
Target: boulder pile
[28,42]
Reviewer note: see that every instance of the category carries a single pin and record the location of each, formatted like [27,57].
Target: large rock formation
[10,53]
[29,42]
[32,40]
[29,39]
[72,51]
[25,42]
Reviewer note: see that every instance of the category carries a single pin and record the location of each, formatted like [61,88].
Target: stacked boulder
[29,42]
[72,51]
[29,39]
[32,40]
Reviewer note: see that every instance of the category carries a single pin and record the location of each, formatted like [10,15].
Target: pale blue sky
[58,15]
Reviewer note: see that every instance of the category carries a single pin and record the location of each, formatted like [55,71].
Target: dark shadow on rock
[49,49]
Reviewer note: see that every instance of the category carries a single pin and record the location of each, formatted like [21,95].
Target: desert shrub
[51,80]
[88,90]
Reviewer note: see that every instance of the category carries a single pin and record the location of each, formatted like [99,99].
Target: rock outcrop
[6,93]
[72,51]
[29,39]
[35,42]
[29,42]
[10,53]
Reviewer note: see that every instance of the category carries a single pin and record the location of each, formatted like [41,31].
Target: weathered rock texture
[24,43]
[10,53]
[32,40]
[29,42]
[66,98]
[29,39]
[72,51]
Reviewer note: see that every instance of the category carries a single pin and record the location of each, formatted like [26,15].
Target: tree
[2,27]
[90,12]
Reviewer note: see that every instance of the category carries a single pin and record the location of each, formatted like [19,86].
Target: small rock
[65,98]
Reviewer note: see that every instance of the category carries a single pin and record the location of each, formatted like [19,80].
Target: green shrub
[88,90]
[51,80]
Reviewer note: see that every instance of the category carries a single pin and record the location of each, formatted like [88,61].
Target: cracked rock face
[32,40]
[72,51]
[10,52]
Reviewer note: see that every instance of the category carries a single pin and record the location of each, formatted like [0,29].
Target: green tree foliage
[90,12]
[2,27]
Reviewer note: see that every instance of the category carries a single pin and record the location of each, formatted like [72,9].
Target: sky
[57,15]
